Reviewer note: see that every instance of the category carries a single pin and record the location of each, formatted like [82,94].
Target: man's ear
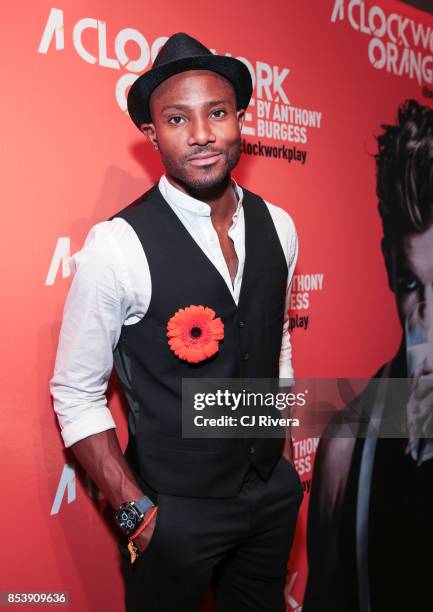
[149,131]
[241,117]
[388,257]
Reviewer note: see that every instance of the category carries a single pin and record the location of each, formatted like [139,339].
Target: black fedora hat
[182,52]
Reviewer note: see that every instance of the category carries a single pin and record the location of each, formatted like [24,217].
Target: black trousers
[239,547]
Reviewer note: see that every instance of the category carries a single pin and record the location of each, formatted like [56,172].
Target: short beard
[207,180]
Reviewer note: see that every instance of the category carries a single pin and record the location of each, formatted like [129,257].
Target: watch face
[127,518]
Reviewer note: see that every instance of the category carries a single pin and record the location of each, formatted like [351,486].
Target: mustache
[201,150]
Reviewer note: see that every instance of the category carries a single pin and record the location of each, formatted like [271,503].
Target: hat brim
[232,69]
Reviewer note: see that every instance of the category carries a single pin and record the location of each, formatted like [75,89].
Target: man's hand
[420,418]
[143,540]
[420,407]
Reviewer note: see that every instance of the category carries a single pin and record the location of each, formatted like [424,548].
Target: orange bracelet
[145,524]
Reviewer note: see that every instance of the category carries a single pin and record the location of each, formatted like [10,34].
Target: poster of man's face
[370,527]
[405,192]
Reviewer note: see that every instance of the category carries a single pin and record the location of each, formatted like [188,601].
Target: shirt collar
[182,200]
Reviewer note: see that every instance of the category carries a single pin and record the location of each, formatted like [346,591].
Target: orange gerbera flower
[193,333]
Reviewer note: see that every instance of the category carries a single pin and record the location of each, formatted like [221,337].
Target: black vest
[151,374]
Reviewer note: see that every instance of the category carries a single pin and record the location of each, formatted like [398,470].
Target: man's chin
[205,179]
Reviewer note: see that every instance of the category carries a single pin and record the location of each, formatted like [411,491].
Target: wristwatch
[130,514]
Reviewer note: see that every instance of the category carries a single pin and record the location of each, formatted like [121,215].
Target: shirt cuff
[94,422]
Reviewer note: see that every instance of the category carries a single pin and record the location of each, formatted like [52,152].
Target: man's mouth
[204,159]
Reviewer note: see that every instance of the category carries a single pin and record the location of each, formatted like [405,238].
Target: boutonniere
[194,333]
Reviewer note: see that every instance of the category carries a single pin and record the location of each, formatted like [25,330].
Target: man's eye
[406,285]
[175,119]
[220,110]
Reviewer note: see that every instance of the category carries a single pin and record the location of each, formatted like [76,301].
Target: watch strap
[143,504]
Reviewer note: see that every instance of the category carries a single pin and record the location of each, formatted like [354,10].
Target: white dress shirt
[112,287]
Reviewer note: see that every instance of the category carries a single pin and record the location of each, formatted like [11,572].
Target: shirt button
[252,450]
[246,356]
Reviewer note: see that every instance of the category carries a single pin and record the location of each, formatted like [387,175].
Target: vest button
[252,450]
[246,356]
[241,323]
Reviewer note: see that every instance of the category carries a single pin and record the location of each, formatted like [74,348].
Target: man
[212,263]
[370,528]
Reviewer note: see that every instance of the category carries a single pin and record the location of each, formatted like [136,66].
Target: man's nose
[201,132]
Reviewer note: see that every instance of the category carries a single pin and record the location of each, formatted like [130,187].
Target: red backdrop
[327,74]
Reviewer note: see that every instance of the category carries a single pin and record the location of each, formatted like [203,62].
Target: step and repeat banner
[328,76]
